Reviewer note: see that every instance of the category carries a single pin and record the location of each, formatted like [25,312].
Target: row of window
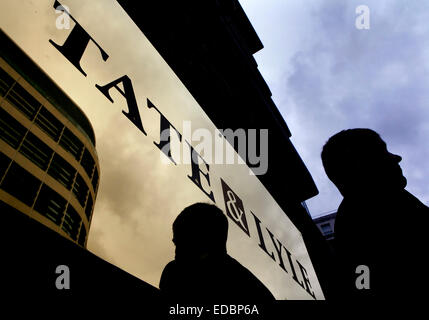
[23,101]
[28,189]
[6,82]
[13,133]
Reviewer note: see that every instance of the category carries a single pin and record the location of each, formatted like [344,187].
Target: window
[4,163]
[6,208]
[62,171]
[88,209]
[21,184]
[95,180]
[5,82]
[82,236]
[50,204]
[36,151]
[71,222]
[48,123]
[11,131]
[23,101]
[326,228]
[87,163]
[71,144]
[80,190]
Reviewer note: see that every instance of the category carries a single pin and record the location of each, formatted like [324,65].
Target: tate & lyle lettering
[73,50]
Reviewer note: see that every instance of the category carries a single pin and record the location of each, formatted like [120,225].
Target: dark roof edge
[249,33]
[325,217]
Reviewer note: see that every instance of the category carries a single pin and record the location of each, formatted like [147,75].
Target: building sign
[141,114]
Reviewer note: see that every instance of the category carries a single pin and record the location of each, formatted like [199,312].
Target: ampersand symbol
[236,213]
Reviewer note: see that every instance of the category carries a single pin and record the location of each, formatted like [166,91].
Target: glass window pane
[87,163]
[50,204]
[48,123]
[88,209]
[95,180]
[71,144]
[71,222]
[21,184]
[11,131]
[80,190]
[4,163]
[23,101]
[82,236]
[6,208]
[62,171]
[5,82]
[36,151]
[326,228]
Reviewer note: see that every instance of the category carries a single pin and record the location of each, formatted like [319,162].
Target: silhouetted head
[357,161]
[200,230]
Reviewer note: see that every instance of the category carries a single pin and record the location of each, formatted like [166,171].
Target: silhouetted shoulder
[213,280]
[244,284]
[169,279]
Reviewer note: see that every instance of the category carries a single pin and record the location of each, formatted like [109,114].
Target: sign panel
[148,128]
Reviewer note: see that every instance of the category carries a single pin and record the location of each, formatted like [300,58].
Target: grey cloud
[97,246]
[346,78]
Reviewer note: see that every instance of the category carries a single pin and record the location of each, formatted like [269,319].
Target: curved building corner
[49,168]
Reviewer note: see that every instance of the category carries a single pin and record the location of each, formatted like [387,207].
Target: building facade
[326,225]
[48,162]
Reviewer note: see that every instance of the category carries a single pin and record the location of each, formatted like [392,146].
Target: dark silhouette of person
[202,271]
[379,224]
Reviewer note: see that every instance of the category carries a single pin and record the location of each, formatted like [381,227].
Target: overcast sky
[326,75]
